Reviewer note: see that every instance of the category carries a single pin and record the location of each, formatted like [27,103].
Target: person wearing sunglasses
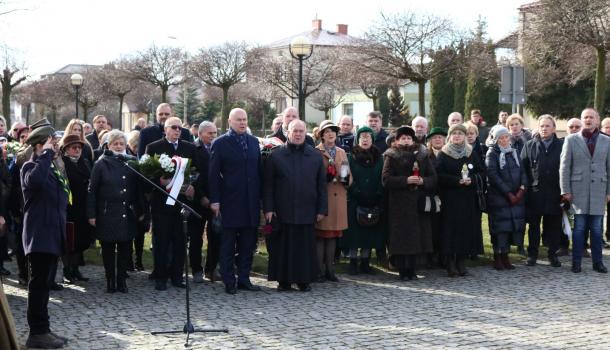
[156,131]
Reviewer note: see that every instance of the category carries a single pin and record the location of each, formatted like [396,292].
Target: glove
[512,199]
[520,194]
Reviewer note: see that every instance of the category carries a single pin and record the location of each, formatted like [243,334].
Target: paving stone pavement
[528,308]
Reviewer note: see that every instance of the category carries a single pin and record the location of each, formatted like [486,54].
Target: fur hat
[70,140]
[405,130]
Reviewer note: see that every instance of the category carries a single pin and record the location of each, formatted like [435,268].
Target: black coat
[461,217]
[280,135]
[93,139]
[79,174]
[346,142]
[295,185]
[503,217]
[114,200]
[380,141]
[45,203]
[185,150]
[154,133]
[541,167]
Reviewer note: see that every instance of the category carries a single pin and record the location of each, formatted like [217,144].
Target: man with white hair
[290,114]
[455,118]
[345,138]
[420,125]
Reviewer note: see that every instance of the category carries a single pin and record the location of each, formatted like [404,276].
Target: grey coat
[586,177]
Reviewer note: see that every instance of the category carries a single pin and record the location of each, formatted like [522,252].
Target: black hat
[405,130]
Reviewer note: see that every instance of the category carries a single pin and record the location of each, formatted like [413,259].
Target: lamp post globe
[301,49]
[76,80]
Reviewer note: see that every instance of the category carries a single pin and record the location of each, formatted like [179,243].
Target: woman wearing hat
[505,197]
[78,171]
[365,193]
[436,140]
[456,167]
[112,204]
[407,174]
[337,174]
[75,127]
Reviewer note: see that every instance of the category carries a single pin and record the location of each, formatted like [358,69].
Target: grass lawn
[94,255]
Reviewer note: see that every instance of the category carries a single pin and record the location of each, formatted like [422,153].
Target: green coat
[366,190]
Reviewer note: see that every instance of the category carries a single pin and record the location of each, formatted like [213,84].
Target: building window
[348,109]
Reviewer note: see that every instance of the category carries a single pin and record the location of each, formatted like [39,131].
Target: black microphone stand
[188,328]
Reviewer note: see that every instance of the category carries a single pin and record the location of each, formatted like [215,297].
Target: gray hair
[206,124]
[418,119]
[548,117]
[114,135]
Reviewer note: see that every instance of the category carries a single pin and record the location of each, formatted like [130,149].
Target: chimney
[342,29]
[316,24]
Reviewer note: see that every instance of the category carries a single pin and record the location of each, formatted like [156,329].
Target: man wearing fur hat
[46,197]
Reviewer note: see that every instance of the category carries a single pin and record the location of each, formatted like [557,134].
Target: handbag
[368,216]
[478,181]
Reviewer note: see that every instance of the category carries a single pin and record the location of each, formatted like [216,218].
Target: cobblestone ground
[528,308]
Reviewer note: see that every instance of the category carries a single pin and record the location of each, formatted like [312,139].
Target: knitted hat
[457,127]
[405,130]
[497,132]
[437,130]
[364,129]
[70,140]
[41,130]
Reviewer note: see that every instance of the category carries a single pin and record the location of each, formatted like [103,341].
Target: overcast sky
[50,34]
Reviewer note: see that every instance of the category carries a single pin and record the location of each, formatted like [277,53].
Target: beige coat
[337,195]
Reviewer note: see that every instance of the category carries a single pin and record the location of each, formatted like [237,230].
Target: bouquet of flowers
[10,150]
[268,145]
[157,166]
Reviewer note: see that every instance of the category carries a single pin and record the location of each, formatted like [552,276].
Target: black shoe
[44,341]
[64,339]
[365,266]
[304,287]
[330,276]
[110,285]
[576,268]
[139,266]
[599,267]
[411,275]
[160,285]
[285,287]
[121,285]
[531,261]
[353,267]
[56,286]
[321,278]
[229,289]
[68,276]
[79,276]
[554,261]
[249,287]
[178,284]
[4,272]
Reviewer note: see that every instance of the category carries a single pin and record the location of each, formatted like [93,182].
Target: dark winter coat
[519,142]
[295,185]
[461,217]
[114,200]
[541,167]
[503,217]
[154,133]
[380,141]
[45,204]
[366,191]
[235,182]
[346,142]
[79,174]
[409,229]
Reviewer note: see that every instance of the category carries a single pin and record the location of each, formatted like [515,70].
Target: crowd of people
[415,196]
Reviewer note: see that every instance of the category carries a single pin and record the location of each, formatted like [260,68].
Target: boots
[365,267]
[411,275]
[69,277]
[77,275]
[138,265]
[353,267]
[110,284]
[451,266]
[121,285]
[498,263]
[461,267]
[506,262]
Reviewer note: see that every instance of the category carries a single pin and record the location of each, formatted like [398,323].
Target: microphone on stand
[121,157]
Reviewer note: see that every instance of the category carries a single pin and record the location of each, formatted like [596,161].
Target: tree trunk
[164,93]
[6,102]
[225,109]
[375,99]
[120,119]
[600,81]
[85,109]
[421,85]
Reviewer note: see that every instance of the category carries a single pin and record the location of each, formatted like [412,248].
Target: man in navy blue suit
[156,131]
[235,193]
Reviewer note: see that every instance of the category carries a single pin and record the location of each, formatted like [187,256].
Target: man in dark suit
[99,123]
[167,223]
[290,114]
[374,121]
[155,132]
[235,192]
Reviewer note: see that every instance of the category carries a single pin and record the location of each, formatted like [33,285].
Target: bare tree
[11,77]
[161,66]
[114,80]
[402,46]
[221,66]
[566,34]
[327,98]
[50,94]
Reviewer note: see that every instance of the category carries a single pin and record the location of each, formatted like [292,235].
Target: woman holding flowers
[112,205]
[338,178]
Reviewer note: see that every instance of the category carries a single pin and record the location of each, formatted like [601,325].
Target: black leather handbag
[478,181]
[368,216]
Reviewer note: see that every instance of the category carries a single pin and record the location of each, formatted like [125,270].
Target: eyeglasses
[574,127]
[174,127]
[166,114]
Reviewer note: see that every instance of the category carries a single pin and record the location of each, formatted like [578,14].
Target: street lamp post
[301,49]
[77,80]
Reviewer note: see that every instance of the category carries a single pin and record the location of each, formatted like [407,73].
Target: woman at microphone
[113,205]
